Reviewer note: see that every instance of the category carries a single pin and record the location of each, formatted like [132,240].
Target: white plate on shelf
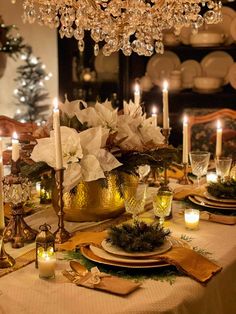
[217,64]
[233,29]
[232,75]
[190,69]
[228,15]
[159,67]
[206,91]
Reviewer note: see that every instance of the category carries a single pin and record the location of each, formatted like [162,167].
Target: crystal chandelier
[129,25]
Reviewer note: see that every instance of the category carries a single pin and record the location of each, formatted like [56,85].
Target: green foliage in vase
[137,237]
[226,189]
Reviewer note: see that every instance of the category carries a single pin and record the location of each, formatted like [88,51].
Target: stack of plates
[210,201]
[111,255]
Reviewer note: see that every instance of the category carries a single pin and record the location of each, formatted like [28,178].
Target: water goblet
[199,162]
[162,205]
[134,198]
[223,165]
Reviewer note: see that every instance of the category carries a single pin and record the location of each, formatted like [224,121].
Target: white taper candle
[218,139]
[57,134]
[165,106]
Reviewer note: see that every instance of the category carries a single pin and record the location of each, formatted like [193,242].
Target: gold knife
[223,219]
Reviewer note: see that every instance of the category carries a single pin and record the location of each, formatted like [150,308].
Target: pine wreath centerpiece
[137,237]
[226,189]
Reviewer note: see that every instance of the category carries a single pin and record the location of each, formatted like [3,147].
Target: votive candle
[137,94]
[191,218]
[211,177]
[57,134]
[47,265]
[185,140]
[165,106]
[15,147]
[218,139]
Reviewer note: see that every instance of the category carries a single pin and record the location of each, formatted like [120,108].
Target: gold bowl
[95,200]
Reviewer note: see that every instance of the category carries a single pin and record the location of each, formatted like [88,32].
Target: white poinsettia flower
[91,168]
[150,133]
[107,161]
[89,116]
[72,176]
[71,108]
[44,150]
[132,109]
[107,114]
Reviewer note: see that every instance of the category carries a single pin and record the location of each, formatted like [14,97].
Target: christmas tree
[31,92]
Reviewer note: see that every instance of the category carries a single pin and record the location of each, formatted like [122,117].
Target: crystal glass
[134,198]
[162,205]
[223,165]
[199,162]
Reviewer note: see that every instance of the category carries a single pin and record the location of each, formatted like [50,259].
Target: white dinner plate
[228,15]
[108,247]
[232,75]
[86,252]
[214,203]
[159,66]
[189,70]
[221,200]
[115,258]
[197,202]
[233,29]
[217,64]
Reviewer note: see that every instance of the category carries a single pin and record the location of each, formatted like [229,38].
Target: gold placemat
[21,261]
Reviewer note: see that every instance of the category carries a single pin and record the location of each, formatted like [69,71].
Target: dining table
[23,291]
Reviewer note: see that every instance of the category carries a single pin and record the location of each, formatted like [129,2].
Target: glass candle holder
[191,218]
[211,177]
[46,264]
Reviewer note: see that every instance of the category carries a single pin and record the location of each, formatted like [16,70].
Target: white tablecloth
[23,291]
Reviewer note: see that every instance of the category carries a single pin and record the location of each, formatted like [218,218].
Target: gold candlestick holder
[16,192]
[6,260]
[61,234]
[166,134]
[184,180]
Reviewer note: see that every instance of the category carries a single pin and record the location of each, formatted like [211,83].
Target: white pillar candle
[185,140]
[57,134]
[165,106]
[15,147]
[218,139]
[47,265]
[2,223]
[136,94]
[1,147]
[154,116]
[191,218]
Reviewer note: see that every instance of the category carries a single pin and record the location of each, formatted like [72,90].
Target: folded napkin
[190,263]
[183,191]
[95,279]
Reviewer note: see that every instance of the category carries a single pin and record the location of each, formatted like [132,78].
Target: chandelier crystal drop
[127,25]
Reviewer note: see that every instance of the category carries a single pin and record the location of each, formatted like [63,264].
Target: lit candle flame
[219,126]
[154,110]
[14,136]
[165,85]
[136,88]
[55,104]
[185,120]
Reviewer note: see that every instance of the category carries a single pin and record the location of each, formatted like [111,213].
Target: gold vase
[94,201]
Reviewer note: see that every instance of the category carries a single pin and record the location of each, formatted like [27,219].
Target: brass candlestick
[61,234]
[166,134]
[184,179]
[5,259]
[16,192]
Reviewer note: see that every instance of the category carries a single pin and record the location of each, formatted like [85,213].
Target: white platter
[217,64]
[190,69]
[159,67]
[108,247]
[232,75]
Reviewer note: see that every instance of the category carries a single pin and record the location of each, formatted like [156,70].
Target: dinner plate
[185,35]
[87,253]
[108,247]
[193,200]
[217,64]
[213,203]
[233,29]
[221,200]
[228,16]
[232,74]
[189,70]
[116,258]
[207,91]
[159,66]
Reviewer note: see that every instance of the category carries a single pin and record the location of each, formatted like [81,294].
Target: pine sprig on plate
[137,237]
[225,189]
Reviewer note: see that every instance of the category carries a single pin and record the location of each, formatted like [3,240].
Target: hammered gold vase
[94,201]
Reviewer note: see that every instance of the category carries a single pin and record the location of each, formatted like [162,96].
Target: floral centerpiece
[99,141]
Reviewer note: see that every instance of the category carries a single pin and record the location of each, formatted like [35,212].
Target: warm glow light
[55,104]
[219,126]
[136,89]
[165,86]
[14,136]
[185,120]
[154,110]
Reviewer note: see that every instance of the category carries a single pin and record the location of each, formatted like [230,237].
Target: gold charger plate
[108,247]
[87,253]
[207,205]
[217,199]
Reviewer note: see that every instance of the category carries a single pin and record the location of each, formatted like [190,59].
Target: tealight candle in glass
[211,177]
[191,218]
[46,263]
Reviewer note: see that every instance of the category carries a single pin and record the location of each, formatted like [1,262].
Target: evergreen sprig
[137,237]
[226,189]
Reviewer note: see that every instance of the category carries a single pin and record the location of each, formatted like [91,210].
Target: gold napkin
[190,263]
[95,279]
[181,192]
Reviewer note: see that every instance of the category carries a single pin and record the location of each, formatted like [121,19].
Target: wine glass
[223,165]
[199,162]
[162,205]
[134,198]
